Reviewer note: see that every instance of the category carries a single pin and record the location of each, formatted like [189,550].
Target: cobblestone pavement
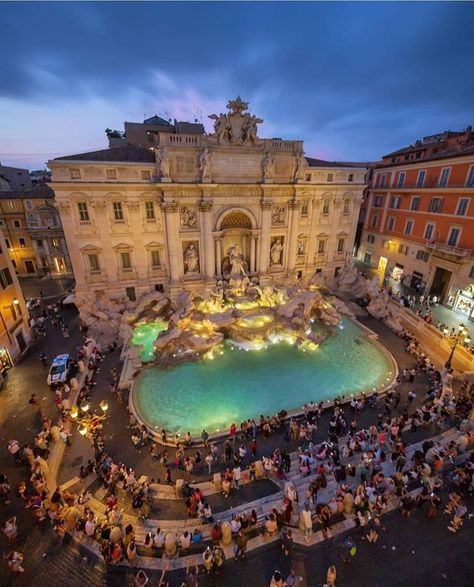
[20,422]
[417,551]
[52,288]
[50,564]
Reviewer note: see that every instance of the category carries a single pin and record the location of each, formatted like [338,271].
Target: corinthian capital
[170,207]
[205,206]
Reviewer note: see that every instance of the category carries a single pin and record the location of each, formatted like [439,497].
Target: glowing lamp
[83,430]
[85,407]
[74,412]
[104,406]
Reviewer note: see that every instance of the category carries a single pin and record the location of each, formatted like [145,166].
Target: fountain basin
[243,383]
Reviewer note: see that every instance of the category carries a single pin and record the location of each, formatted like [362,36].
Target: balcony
[440,247]
[429,184]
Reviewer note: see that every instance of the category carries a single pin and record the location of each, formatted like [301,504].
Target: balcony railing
[428,184]
[448,249]
[94,276]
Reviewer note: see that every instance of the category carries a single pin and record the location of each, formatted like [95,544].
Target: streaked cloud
[354,80]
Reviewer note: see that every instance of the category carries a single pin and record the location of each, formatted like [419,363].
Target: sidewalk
[439,312]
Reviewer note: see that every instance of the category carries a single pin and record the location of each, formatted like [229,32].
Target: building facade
[178,213]
[419,217]
[14,325]
[15,178]
[33,232]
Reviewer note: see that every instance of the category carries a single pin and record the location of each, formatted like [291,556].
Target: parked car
[59,370]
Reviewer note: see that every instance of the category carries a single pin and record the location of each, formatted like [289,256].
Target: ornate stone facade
[204,204]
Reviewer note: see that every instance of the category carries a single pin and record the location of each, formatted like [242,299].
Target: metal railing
[449,249]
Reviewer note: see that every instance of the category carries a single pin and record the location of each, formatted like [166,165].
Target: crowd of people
[352,459]
[32,489]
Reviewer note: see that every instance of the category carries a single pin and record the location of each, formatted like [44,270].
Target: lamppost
[454,339]
[88,422]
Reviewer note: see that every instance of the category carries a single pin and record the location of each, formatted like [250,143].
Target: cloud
[352,79]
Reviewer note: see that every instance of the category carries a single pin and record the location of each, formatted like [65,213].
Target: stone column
[140,264]
[266,206]
[253,253]
[207,246]
[218,255]
[173,242]
[293,207]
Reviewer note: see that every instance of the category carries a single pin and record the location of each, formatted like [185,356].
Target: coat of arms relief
[236,127]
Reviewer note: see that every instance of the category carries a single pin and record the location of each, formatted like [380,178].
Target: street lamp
[454,339]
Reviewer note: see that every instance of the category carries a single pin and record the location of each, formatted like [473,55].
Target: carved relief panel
[188,217]
[278,215]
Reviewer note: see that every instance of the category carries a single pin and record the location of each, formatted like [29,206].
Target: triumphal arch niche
[237,243]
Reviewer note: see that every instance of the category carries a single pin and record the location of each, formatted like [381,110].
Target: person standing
[4,489]
[209,460]
[10,529]
[331,576]
[287,543]
[307,523]
[15,560]
[241,544]
[350,550]
[277,580]
[33,401]
[433,505]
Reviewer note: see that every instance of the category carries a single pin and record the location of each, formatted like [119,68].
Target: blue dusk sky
[353,80]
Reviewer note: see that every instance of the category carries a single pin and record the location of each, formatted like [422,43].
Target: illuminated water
[243,384]
[146,334]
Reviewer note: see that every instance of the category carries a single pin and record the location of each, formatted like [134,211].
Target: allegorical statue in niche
[205,164]
[268,166]
[236,260]
[275,252]
[164,162]
[191,260]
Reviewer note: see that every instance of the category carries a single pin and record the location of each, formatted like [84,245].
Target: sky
[353,80]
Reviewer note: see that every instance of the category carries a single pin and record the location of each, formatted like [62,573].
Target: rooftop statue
[236,127]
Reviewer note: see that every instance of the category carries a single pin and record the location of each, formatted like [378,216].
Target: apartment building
[33,232]
[419,217]
[14,325]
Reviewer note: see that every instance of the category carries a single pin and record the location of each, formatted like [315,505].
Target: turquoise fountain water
[243,384]
[146,334]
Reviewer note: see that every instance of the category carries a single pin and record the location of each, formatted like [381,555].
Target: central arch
[235,217]
[235,226]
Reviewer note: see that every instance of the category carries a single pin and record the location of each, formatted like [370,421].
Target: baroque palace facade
[168,207]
